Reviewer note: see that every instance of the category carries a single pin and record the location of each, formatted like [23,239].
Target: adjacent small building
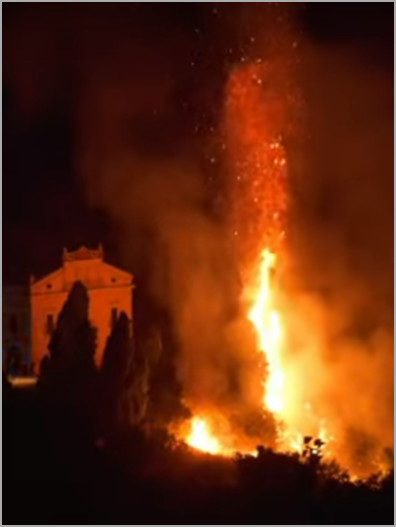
[109,290]
[16,339]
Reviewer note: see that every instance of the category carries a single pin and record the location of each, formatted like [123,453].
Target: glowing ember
[200,437]
[255,119]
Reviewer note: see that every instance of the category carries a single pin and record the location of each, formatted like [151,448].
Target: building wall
[43,305]
[108,288]
[16,322]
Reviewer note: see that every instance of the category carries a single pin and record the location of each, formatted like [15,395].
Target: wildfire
[259,119]
[255,118]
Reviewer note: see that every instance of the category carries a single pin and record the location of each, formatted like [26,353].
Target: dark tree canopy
[135,400]
[123,379]
[69,367]
[118,352]
[116,359]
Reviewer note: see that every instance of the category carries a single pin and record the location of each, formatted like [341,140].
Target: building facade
[16,354]
[109,290]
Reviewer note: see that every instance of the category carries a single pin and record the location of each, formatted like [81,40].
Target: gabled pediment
[117,275]
[51,282]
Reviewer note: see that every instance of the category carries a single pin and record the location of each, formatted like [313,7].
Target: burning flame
[201,435]
[201,438]
[268,324]
[270,330]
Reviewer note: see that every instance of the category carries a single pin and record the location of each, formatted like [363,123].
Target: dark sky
[52,56]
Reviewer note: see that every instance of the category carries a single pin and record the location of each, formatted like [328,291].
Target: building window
[50,324]
[13,324]
[113,280]
[114,316]
[49,286]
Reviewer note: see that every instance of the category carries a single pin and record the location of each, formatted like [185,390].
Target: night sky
[173,58]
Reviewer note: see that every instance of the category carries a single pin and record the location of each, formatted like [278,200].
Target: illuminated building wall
[109,291]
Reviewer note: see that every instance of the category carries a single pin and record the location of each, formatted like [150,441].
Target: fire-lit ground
[130,479]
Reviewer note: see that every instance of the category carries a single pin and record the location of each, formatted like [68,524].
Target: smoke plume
[341,278]
[142,123]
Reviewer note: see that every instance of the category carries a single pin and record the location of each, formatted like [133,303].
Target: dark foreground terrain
[54,471]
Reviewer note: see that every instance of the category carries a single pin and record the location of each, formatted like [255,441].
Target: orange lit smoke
[256,158]
[259,117]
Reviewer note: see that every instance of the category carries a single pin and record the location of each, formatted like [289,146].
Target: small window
[113,280]
[49,286]
[50,324]
[13,324]
[114,316]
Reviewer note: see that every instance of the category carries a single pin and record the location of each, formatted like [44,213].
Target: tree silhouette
[69,368]
[135,396]
[160,348]
[124,380]
[113,374]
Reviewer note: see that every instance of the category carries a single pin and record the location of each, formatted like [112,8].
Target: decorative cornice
[83,253]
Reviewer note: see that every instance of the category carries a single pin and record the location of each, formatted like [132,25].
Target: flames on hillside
[260,101]
[256,122]
[269,360]
[254,119]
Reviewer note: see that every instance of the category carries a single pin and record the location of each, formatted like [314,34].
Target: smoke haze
[142,128]
[342,242]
